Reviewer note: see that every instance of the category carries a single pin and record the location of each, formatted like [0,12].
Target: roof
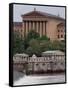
[22,55]
[53,52]
[17,23]
[39,13]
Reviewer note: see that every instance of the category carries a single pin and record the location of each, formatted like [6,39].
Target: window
[58,36]
[61,36]
[43,64]
[62,63]
[37,64]
[58,30]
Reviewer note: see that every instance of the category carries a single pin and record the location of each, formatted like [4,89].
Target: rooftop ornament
[34,56]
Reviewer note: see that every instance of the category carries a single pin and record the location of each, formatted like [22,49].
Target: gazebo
[53,52]
[19,57]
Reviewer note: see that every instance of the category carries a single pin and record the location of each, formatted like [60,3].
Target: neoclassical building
[43,23]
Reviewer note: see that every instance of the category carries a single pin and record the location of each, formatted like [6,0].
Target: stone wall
[40,64]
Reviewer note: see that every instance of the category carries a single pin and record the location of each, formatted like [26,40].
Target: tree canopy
[32,35]
[34,44]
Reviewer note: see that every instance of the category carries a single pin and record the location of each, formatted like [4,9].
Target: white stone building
[51,61]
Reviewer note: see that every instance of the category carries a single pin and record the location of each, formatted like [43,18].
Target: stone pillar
[23,28]
[37,25]
[33,25]
[29,25]
[40,28]
[44,33]
[26,27]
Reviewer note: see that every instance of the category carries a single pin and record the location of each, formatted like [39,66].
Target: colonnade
[38,26]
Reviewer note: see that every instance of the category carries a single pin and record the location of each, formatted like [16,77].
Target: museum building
[43,23]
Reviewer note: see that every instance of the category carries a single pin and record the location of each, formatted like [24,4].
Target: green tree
[18,43]
[29,51]
[32,35]
[44,38]
[45,45]
[57,45]
[34,47]
[34,44]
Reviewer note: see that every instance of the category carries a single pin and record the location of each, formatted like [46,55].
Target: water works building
[51,61]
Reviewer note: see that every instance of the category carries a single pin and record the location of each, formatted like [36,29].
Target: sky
[19,10]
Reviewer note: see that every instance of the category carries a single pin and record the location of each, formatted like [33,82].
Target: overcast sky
[19,10]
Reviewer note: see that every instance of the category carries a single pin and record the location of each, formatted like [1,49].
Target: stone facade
[40,64]
[17,27]
[43,23]
[61,31]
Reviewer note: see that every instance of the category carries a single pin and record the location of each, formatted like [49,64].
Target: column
[40,28]
[29,25]
[26,27]
[44,33]
[23,27]
[37,25]
[33,25]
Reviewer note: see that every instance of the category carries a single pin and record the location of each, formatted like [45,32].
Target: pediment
[33,13]
[41,14]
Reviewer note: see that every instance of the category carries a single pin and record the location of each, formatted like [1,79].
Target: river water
[21,79]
